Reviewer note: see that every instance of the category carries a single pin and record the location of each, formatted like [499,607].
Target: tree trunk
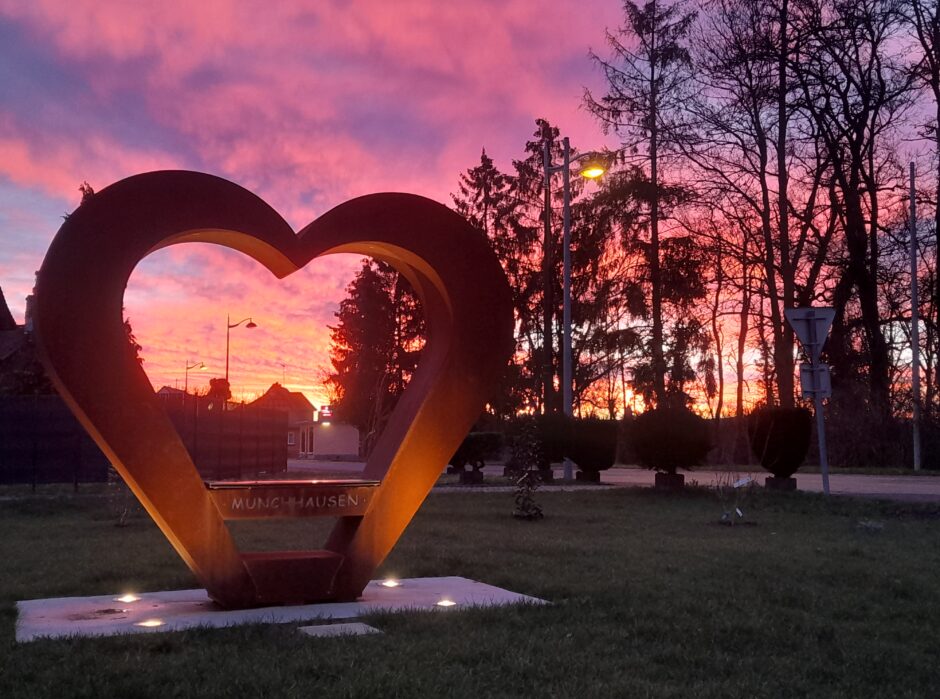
[782,355]
[767,352]
[783,341]
[936,211]
[548,300]
[867,286]
[659,362]
[740,445]
[716,336]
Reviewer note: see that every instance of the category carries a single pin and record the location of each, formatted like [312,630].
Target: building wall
[335,440]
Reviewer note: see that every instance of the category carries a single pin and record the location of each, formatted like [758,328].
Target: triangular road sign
[811,326]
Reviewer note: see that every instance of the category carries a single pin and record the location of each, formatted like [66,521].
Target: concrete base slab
[178,610]
[355,628]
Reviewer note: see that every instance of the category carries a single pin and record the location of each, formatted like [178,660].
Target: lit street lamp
[198,365]
[593,165]
[228,331]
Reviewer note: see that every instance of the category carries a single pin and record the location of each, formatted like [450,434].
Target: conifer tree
[646,73]
[486,199]
[375,347]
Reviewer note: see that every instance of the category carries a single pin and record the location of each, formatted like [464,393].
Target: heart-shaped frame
[79,327]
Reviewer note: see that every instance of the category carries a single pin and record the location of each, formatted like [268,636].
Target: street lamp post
[228,331]
[593,166]
[198,365]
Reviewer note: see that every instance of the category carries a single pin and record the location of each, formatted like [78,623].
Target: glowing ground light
[391,583]
[150,623]
[127,599]
[446,603]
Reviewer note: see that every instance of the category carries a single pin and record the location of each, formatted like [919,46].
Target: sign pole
[818,405]
[811,326]
[915,329]
[821,434]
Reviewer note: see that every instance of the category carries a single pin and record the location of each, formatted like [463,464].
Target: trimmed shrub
[669,438]
[476,448]
[526,451]
[780,438]
[590,443]
[554,432]
[593,445]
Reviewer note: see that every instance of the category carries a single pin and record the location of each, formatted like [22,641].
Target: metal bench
[292,576]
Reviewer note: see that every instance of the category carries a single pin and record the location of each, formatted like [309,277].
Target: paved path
[906,488]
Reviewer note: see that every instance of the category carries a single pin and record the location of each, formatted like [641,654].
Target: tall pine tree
[646,74]
[486,199]
[375,347]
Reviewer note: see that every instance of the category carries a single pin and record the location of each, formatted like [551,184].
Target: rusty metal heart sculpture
[79,326]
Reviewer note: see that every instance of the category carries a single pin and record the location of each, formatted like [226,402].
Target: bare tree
[923,16]
[754,163]
[856,92]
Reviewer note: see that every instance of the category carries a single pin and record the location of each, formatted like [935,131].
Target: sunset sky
[305,103]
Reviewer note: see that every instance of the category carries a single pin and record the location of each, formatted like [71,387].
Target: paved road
[906,488]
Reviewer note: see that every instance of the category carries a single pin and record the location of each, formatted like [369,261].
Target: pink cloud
[307,104]
[282,77]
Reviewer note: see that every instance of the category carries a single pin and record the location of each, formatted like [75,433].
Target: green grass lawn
[650,598]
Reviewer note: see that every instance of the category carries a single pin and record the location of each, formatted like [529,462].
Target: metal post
[566,379]
[548,312]
[228,332]
[915,328]
[821,434]
[195,454]
[818,406]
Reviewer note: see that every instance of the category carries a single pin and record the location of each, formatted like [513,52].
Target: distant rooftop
[279,398]
[7,322]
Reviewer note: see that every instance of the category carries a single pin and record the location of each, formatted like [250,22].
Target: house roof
[7,322]
[280,398]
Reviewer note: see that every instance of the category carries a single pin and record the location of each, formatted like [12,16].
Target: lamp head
[593,166]
[251,324]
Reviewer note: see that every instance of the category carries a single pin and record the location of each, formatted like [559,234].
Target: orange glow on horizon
[177,302]
[179,297]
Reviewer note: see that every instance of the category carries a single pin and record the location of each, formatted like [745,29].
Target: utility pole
[915,328]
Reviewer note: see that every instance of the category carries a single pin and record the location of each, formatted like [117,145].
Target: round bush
[590,443]
[593,444]
[476,448]
[666,439]
[554,432]
[780,438]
